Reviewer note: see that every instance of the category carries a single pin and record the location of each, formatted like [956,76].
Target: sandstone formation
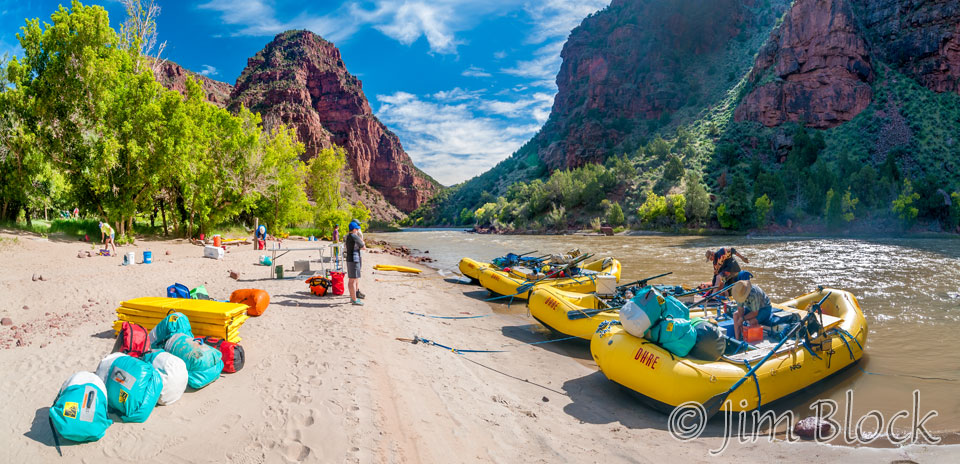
[636,61]
[817,67]
[174,77]
[300,79]
[920,38]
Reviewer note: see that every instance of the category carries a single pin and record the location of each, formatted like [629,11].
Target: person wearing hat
[725,265]
[106,236]
[353,244]
[753,306]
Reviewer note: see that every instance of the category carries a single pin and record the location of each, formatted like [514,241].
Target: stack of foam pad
[207,318]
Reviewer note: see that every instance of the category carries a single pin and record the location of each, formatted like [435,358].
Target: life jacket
[232,353]
[319,285]
[133,340]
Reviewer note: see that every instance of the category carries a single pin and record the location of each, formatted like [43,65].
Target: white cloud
[475,71]
[553,20]
[208,71]
[500,55]
[438,21]
[456,134]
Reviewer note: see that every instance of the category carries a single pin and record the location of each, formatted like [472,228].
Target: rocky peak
[174,77]
[300,79]
[637,61]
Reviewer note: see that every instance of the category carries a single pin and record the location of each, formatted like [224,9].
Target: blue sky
[463,83]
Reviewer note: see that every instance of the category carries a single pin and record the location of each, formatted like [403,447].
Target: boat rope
[756,381]
[445,317]
[541,342]
[417,339]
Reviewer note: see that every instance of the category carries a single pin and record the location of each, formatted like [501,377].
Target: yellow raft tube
[670,380]
[508,283]
[471,268]
[569,313]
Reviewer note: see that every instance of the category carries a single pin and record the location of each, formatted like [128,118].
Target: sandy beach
[329,382]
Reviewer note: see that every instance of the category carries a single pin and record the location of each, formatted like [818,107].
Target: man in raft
[354,243]
[753,306]
[725,265]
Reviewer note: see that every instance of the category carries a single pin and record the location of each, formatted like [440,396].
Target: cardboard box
[606,285]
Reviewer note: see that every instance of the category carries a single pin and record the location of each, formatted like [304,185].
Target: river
[907,289]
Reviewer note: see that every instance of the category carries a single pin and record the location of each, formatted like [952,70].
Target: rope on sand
[417,339]
[445,317]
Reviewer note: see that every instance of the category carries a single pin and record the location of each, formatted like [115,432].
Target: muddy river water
[908,289]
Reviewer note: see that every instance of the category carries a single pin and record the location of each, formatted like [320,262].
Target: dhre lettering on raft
[646,358]
[552,303]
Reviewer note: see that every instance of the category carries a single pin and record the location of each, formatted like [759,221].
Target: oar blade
[713,405]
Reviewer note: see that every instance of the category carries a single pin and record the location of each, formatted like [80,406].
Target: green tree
[698,200]
[769,185]
[904,207]
[674,168]
[615,215]
[762,207]
[652,209]
[283,200]
[864,185]
[676,206]
[557,218]
[738,209]
[954,220]
[466,217]
[839,209]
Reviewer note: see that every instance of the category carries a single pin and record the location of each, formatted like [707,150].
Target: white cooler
[212,252]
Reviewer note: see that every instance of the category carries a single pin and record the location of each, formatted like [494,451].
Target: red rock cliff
[300,79]
[817,66]
[174,77]
[635,61]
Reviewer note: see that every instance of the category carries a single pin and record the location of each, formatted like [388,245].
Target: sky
[463,83]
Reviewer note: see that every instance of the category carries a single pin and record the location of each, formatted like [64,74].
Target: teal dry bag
[174,323]
[204,362]
[133,388]
[80,410]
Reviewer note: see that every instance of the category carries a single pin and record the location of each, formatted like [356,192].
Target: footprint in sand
[296,451]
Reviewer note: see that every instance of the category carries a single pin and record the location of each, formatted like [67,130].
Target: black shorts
[353,270]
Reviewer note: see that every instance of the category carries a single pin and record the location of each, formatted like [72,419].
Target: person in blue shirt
[753,306]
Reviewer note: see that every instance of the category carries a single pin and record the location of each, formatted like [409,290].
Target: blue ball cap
[354,225]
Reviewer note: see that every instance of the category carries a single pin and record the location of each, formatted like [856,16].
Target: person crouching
[354,243]
[753,306]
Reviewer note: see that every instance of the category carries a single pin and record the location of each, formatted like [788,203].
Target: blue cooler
[727,326]
[147,257]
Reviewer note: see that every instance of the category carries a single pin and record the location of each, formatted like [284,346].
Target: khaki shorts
[353,270]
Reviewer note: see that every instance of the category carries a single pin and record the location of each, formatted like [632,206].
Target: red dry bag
[336,279]
[132,340]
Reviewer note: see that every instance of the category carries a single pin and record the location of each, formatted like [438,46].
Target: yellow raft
[390,267]
[669,380]
[207,318]
[508,283]
[471,268]
[570,313]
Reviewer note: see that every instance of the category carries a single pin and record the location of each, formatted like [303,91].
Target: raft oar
[643,282]
[713,405]
[710,297]
[696,290]
[527,253]
[528,285]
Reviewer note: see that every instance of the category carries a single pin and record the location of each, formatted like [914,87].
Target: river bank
[328,382]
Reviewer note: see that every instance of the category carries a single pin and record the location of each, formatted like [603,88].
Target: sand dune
[330,382]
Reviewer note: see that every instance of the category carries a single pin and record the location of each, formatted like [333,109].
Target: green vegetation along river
[908,289]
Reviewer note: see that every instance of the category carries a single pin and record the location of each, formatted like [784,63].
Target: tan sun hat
[740,291]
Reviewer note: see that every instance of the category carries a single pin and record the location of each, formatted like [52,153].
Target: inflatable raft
[391,267]
[570,313]
[471,268]
[669,381]
[508,283]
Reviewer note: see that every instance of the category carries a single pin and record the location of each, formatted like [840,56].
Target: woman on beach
[354,243]
[106,236]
